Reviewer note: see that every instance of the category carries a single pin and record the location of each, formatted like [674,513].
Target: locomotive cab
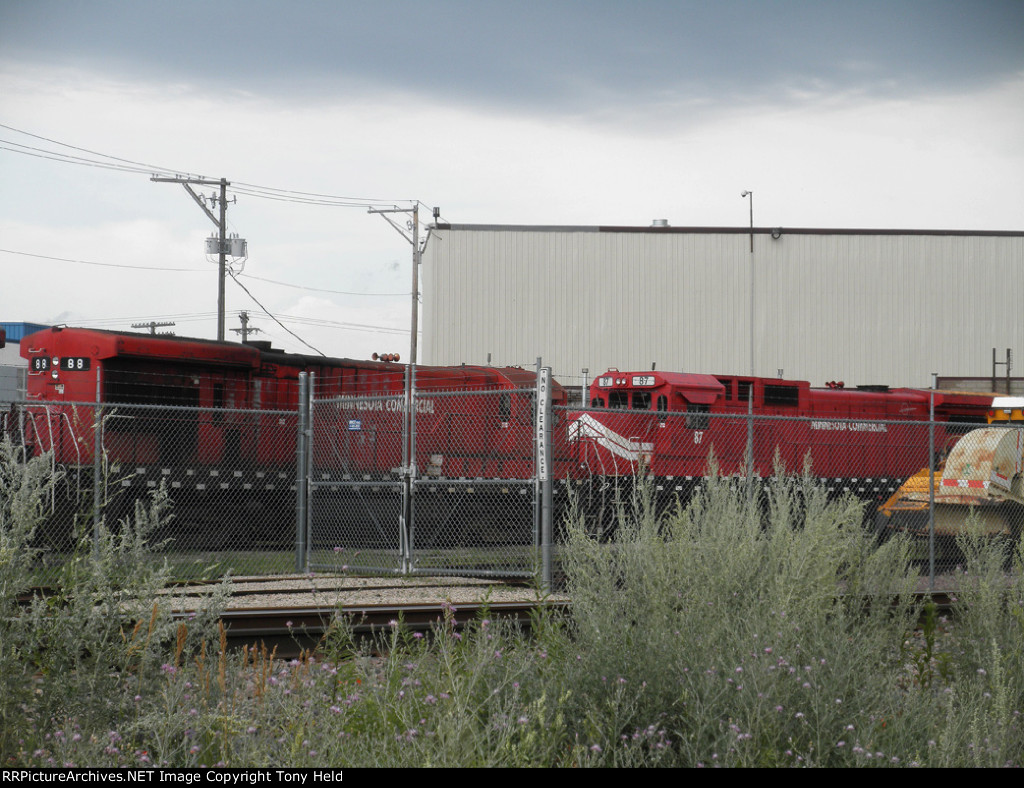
[672,422]
[661,392]
[166,400]
[638,410]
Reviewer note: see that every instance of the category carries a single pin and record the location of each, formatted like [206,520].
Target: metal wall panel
[858,306]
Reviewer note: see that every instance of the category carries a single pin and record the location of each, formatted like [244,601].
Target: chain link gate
[357,493]
[431,482]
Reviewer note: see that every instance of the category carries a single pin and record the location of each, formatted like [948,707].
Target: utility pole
[152,325]
[409,417]
[413,227]
[220,222]
[245,330]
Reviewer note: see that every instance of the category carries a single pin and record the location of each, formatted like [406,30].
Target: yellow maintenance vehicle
[1006,410]
[982,477]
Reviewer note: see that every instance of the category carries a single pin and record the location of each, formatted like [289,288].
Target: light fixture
[776,233]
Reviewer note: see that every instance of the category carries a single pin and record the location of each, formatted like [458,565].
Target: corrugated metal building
[862,306]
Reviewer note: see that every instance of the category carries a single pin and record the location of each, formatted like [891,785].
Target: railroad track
[293,613]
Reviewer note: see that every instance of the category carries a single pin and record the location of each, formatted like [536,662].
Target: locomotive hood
[96,343]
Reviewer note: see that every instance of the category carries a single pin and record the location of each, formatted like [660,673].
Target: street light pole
[750,196]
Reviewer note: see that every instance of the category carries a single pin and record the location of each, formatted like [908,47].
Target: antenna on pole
[152,325]
[245,330]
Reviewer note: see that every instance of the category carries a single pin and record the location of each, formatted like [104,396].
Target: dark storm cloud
[563,55]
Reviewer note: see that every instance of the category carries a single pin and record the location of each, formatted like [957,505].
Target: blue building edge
[18,331]
[13,367]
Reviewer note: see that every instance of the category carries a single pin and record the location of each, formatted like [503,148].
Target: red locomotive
[217,423]
[671,422]
[222,417]
[235,405]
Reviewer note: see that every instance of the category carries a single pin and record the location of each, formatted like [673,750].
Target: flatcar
[868,438]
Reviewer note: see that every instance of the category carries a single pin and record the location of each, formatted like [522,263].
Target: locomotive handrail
[30,418]
[49,429]
[53,455]
[420,394]
[758,417]
[74,440]
[78,453]
[186,408]
[474,481]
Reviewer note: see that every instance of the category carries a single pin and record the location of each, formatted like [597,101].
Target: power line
[304,342]
[324,323]
[115,163]
[116,321]
[64,159]
[193,317]
[104,265]
[197,270]
[137,167]
[319,289]
[306,198]
[143,167]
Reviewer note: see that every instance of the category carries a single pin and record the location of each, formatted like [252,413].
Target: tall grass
[736,630]
[750,638]
[79,656]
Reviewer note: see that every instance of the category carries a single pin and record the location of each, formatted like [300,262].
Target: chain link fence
[480,482]
[928,481]
[445,486]
[229,477]
[357,490]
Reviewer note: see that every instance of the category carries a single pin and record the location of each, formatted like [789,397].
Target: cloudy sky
[894,114]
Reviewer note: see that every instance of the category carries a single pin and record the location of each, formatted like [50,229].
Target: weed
[735,630]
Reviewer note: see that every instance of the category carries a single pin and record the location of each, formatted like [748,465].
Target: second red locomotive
[672,423]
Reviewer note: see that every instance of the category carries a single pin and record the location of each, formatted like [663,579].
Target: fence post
[543,471]
[302,439]
[931,484]
[750,443]
[538,492]
[97,459]
[408,469]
